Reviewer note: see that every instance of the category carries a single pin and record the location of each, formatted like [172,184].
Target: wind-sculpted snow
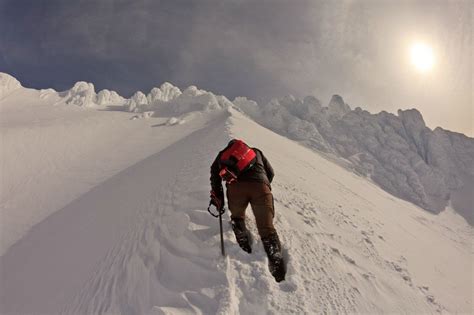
[166,100]
[140,102]
[8,84]
[136,101]
[106,97]
[169,100]
[399,153]
[165,93]
[83,94]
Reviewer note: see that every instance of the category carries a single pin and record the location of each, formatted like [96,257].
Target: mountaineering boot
[241,234]
[272,247]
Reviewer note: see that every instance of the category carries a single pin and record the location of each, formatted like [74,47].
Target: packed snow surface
[104,211]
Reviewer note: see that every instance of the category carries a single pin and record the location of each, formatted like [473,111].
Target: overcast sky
[258,49]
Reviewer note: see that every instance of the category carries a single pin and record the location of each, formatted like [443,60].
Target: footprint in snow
[288,286]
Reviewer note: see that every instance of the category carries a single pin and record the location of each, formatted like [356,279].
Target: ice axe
[218,215]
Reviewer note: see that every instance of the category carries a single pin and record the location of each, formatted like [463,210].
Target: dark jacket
[261,171]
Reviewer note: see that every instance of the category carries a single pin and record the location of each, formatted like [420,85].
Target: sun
[422,57]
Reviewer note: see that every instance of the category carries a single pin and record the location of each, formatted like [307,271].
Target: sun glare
[422,57]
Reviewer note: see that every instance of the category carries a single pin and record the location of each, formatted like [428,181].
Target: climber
[248,176]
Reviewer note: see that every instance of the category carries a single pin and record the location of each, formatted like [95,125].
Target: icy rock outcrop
[288,116]
[8,84]
[391,156]
[106,97]
[81,94]
[311,106]
[416,130]
[305,109]
[452,153]
[399,153]
[337,108]
[247,106]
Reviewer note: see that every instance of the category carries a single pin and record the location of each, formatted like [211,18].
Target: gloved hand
[217,199]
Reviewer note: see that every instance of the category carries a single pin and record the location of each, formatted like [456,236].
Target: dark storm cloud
[248,48]
[260,49]
[126,45]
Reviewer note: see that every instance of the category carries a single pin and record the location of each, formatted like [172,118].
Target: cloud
[260,49]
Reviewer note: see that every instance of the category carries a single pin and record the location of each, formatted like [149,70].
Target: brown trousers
[259,195]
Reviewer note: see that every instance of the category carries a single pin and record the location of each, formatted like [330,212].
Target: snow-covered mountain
[430,168]
[105,212]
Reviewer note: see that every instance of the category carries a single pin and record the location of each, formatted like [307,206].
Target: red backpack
[236,159]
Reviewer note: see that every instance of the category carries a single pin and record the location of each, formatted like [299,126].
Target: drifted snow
[46,93]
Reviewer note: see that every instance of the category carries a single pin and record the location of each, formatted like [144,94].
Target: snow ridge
[166,99]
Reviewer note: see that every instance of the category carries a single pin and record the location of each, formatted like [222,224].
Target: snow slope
[52,153]
[355,248]
[142,242]
[104,212]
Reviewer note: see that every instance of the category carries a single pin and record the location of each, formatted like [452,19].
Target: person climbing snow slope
[248,176]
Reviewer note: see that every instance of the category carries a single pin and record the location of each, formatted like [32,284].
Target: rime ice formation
[169,100]
[81,94]
[106,97]
[285,117]
[193,99]
[337,108]
[165,93]
[399,153]
[137,101]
